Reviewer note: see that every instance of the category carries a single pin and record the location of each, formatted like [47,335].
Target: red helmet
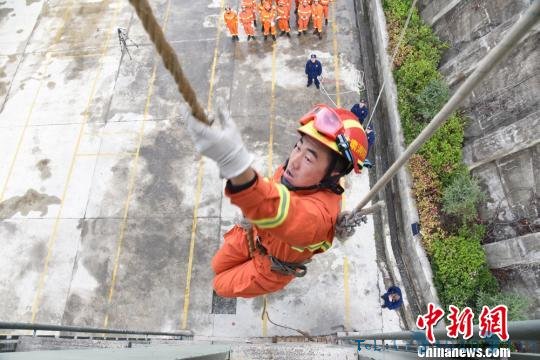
[339,130]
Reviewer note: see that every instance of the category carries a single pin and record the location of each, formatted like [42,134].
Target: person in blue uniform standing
[313,70]
[392,298]
[361,111]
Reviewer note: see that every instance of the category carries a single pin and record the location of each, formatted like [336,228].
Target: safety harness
[276,265]
[282,267]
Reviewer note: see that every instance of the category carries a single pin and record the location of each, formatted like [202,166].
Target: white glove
[224,146]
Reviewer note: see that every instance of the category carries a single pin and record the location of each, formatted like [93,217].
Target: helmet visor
[325,120]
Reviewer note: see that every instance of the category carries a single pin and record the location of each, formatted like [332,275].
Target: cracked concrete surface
[99,181]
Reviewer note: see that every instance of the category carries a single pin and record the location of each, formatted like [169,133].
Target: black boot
[325,21]
[299,33]
[255,23]
[249,37]
[274,37]
[314,31]
[282,33]
[288,34]
[265,37]
[320,35]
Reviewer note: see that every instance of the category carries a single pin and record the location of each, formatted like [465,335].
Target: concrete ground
[109,218]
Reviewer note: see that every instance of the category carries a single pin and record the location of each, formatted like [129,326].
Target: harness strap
[282,267]
[285,268]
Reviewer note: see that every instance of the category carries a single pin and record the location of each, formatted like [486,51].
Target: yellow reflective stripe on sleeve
[282,212]
[323,245]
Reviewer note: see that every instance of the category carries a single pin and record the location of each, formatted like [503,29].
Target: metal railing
[90,330]
[518,330]
[525,333]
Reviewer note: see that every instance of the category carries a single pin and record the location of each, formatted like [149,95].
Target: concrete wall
[412,250]
[501,145]
[502,139]
[516,262]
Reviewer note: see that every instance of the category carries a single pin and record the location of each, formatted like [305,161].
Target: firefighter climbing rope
[484,67]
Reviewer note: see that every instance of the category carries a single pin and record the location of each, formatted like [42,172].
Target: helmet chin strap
[328,182]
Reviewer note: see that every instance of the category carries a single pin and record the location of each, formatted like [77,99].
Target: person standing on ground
[361,111]
[317,13]
[392,298]
[294,214]
[246,18]
[268,19]
[313,70]
[325,4]
[304,14]
[231,19]
[283,15]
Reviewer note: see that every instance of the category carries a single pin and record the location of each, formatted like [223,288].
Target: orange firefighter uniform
[325,4]
[268,16]
[292,226]
[231,19]
[283,15]
[247,18]
[251,6]
[317,13]
[304,14]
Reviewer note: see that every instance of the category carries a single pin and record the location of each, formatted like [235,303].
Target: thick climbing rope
[510,40]
[170,60]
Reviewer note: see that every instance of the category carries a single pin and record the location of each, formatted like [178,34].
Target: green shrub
[517,305]
[461,197]
[431,99]
[461,271]
[427,193]
[426,44]
[459,264]
[414,75]
[444,149]
[400,9]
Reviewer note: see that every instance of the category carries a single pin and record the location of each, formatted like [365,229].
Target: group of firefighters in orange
[272,12]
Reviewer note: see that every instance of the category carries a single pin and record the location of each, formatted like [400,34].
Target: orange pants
[284,25]
[237,275]
[325,11]
[303,23]
[317,23]
[248,28]
[268,28]
[233,27]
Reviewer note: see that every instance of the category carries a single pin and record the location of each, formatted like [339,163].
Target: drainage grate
[221,305]
[8,345]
